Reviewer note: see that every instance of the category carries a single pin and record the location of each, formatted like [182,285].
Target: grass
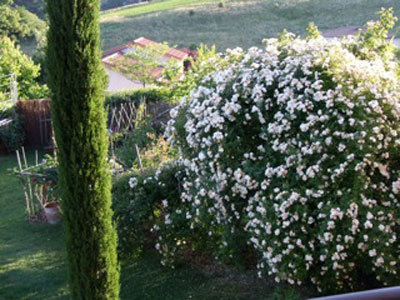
[241,23]
[32,263]
[155,6]
[32,256]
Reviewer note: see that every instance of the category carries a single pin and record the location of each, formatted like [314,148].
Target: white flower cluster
[297,145]
[133,182]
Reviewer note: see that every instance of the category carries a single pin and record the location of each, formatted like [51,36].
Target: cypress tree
[77,81]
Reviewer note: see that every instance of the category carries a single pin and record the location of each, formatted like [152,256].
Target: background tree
[10,21]
[13,61]
[18,23]
[77,80]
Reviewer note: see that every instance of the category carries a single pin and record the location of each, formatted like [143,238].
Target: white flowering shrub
[295,150]
[142,201]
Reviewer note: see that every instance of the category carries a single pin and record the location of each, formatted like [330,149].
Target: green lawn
[32,257]
[32,263]
[155,6]
[241,23]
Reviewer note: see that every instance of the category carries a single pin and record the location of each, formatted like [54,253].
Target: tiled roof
[117,49]
[119,52]
[143,42]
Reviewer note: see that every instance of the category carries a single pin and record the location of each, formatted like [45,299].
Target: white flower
[133,182]
[202,156]
[372,252]
[396,186]
[368,224]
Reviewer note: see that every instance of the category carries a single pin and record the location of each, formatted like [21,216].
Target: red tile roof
[143,42]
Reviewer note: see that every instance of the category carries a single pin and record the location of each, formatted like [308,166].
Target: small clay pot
[52,212]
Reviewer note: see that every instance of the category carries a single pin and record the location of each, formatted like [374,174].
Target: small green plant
[141,137]
[192,47]
[313,31]
[140,204]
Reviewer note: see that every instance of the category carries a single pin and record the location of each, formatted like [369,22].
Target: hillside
[234,22]
[37,6]
[227,23]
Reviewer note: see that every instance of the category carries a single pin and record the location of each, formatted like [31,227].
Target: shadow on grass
[33,263]
[32,256]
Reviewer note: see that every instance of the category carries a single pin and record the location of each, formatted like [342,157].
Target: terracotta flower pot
[52,212]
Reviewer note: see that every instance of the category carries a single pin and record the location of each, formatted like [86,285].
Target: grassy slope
[154,6]
[32,263]
[239,23]
[31,256]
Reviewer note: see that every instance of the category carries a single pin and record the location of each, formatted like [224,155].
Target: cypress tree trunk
[77,81]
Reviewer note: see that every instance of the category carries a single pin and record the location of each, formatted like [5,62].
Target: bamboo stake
[112,152]
[24,156]
[112,118]
[139,159]
[19,161]
[28,208]
[127,118]
[29,182]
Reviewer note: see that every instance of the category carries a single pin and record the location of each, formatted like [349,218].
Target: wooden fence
[36,115]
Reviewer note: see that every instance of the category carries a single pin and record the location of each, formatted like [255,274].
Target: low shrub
[140,203]
[12,136]
[295,150]
[142,137]
[136,96]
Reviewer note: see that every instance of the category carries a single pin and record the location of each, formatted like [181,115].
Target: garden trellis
[9,88]
[122,119]
[38,188]
[8,92]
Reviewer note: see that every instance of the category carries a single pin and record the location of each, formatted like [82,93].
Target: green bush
[140,136]
[139,205]
[13,61]
[295,150]
[154,149]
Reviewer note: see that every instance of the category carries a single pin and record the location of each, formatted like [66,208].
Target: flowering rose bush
[295,150]
[143,201]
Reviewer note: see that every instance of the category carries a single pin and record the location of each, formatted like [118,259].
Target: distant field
[241,23]
[154,6]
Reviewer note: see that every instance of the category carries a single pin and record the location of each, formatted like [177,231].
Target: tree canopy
[18,23]
[13,61]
